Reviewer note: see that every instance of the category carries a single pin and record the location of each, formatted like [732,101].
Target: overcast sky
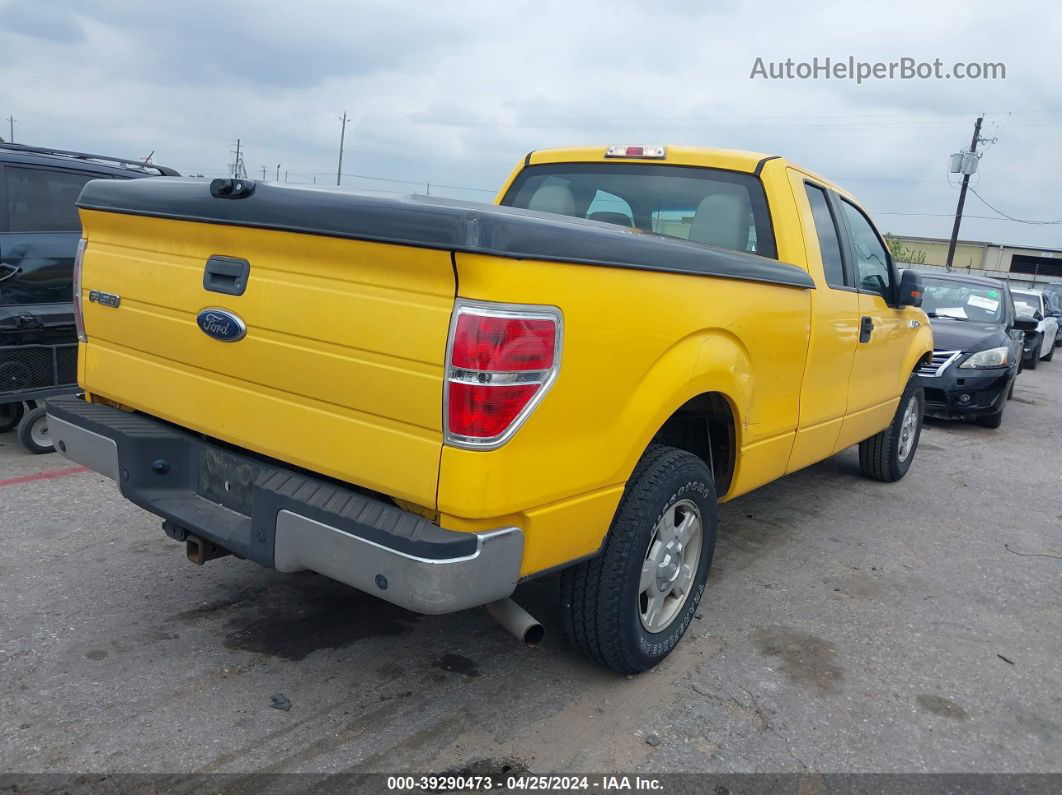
[455,93]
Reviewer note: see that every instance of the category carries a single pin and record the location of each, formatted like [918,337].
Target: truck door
[834,327]
[884,332]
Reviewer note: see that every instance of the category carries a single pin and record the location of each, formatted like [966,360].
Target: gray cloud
[40,21]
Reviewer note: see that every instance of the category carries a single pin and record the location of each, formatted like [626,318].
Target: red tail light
[501,361]
[79,320]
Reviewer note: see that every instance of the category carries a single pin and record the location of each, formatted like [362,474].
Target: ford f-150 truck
[434,400]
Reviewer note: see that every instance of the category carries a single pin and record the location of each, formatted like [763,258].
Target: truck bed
[347,306]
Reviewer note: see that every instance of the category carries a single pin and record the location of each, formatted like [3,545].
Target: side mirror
[1025,323]
[910,289]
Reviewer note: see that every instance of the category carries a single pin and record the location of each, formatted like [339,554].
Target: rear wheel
[888,455]
[628,607]
[10,414]
[33,431]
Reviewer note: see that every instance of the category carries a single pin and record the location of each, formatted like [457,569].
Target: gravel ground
[848,625]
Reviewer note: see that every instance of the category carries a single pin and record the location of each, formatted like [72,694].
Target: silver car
[1039,344]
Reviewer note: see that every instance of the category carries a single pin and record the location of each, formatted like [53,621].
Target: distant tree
[900,252]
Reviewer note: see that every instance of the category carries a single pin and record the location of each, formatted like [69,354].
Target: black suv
[39,233]
[977,346]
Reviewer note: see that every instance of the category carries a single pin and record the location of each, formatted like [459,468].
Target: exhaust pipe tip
[533,635]
[517,621]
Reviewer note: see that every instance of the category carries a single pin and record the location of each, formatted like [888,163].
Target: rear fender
[712,361]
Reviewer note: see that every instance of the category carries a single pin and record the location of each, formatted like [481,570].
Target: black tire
[10,414]
[1010,391]
[1050,354]
[991,420]
[33,431]
[602,599]
[1032,361]
[879,457]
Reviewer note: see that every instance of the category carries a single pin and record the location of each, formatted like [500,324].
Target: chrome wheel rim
[39,432]
[670,566]
[908,429]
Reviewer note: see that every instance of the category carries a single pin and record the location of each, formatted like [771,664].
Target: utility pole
[236,165]
[278,172]
[342,136]
[263,173]
[11,128]
[962,194]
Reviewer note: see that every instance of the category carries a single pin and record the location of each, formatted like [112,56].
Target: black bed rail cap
[431,222]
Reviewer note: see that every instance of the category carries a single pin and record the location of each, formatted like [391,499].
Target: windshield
[705,205]
[962,300]
[1026,303]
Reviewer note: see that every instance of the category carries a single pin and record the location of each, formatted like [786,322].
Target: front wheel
[888,455]
[990,420]
[1032,361]
[33,431]
[628,607]
[1049,355]
[10,414]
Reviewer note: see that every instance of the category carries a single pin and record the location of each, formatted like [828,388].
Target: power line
[417,183]
[947,215]
[1011,217]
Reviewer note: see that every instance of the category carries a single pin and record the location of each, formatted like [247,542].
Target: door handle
[866,328]
[226,275]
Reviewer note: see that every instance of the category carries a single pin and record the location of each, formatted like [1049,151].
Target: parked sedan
[977,339]
[1040,343]
[1053,302]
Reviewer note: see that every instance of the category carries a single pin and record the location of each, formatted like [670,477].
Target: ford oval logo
[221,325]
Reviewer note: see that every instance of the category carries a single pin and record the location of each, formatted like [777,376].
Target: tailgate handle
[226,275]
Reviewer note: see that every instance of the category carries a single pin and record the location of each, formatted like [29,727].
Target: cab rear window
[705,205]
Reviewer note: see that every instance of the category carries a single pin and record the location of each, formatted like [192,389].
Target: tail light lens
[79,320]
[501,361]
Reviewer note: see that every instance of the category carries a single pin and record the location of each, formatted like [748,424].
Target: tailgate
[340,371]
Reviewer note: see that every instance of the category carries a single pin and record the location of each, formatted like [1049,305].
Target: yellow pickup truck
[434,400]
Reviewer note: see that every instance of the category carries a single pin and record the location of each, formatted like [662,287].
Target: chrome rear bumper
[285,519]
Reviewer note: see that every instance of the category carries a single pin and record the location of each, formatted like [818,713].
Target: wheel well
[704,426]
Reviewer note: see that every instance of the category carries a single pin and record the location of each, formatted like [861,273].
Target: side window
[871,258]
[39,200]
[829,241]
